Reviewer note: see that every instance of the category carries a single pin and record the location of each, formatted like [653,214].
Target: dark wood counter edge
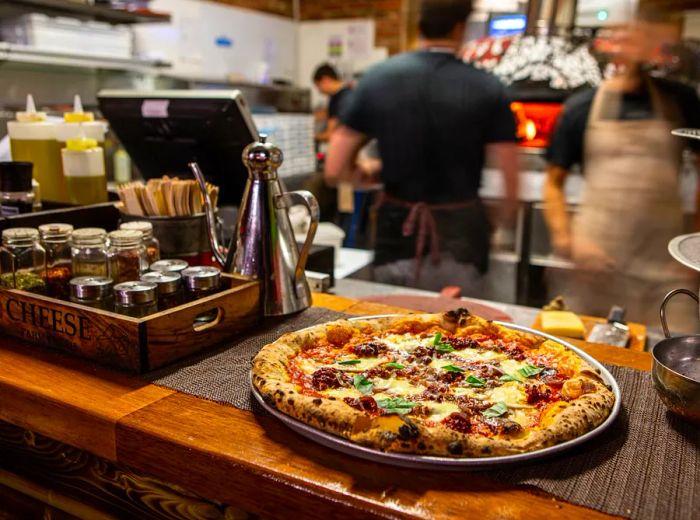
[190,442]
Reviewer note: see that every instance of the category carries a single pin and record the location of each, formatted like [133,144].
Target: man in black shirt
[328,82]
[434,118]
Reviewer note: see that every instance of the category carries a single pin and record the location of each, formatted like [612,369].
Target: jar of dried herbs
[170,265]
[200,281]
[93,291]
[22,260]
[136,299]
[170,293]
[89,252]
[54,238]
[149,241]
[126,255]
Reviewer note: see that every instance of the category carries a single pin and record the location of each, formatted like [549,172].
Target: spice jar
[89,252]
[54,238]
[93,291]
[149,241]
[22,260]
[127,256]
[170,293]
[169,265]
[135,299]
[200,281]
[16,191]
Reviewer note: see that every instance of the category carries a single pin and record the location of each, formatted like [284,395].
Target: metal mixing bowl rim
[675,372]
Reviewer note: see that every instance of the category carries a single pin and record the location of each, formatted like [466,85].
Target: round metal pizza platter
[448,463]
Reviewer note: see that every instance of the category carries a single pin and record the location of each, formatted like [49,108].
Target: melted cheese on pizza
[491,384]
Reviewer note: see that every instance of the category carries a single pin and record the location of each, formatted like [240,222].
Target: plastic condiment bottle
[84,171]
[78,124]
[33,139]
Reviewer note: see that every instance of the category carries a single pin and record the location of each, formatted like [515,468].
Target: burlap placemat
[222,375]
[646,466]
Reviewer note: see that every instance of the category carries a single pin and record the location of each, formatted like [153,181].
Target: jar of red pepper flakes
[150,242]
[126,255]
[54,238]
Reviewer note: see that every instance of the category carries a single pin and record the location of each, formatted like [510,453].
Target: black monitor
[163,130]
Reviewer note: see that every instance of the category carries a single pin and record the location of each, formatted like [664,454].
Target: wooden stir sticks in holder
[165,197]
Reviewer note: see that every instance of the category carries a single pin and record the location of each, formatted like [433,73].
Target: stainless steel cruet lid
[201,277]
[171,265]
[262,158]
[168,282]
[135,293]
[90,287]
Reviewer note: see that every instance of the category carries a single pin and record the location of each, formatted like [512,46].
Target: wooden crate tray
[134,345]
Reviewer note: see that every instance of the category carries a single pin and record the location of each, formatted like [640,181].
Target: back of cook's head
[439,17]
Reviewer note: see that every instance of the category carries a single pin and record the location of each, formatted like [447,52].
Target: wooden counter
[234,457]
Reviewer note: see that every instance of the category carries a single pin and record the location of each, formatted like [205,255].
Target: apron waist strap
[420,215]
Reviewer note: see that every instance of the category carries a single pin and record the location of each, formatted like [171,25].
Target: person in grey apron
[630,206]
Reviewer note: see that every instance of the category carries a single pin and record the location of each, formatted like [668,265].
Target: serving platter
[453,463]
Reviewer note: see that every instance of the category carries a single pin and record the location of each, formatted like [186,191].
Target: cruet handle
[306,198]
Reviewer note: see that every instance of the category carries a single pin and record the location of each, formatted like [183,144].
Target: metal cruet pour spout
[263,246]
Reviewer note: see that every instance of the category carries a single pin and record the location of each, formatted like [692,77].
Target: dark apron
[418,230]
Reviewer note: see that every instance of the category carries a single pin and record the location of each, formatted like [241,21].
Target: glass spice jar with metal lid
[89,252]
[170,292]
[150,242]
[200,281]
[93,291]
[22,260]
[55,239]
[126,254]
[171,265]
[136,298]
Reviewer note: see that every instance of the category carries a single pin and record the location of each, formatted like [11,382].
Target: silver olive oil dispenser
[263,246]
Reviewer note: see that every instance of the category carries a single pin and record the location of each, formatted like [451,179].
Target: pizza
[449,384]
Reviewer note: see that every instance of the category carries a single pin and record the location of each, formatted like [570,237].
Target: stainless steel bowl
[676,367]
[676,374]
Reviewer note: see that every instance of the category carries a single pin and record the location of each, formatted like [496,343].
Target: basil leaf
[396,405]
[363,384]
[394,364]
[444,348]
[452,368]
[509,377]
[475,381]
[529,371]
[350,362]
[496,410]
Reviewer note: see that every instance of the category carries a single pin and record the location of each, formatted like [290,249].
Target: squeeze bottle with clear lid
[33,139]
[84,171]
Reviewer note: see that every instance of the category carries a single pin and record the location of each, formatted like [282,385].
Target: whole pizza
[449,384]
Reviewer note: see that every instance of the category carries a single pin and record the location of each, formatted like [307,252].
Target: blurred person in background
[434,118]
[620,133]
[328,82]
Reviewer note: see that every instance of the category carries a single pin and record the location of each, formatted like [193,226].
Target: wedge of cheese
[562,323]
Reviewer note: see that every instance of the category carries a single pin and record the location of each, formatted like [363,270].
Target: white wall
[357,51]
[261,44]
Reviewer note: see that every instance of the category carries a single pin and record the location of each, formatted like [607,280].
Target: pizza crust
[564,420]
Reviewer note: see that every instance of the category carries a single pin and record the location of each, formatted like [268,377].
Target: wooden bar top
[236,457]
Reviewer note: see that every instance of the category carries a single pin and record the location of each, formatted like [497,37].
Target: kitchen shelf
[85,11]
[22,54]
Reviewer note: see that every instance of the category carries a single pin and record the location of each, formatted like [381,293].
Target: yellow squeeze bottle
[78,124]
[33,139]
[84,171]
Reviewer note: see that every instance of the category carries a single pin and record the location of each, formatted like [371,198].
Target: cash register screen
[163,130]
